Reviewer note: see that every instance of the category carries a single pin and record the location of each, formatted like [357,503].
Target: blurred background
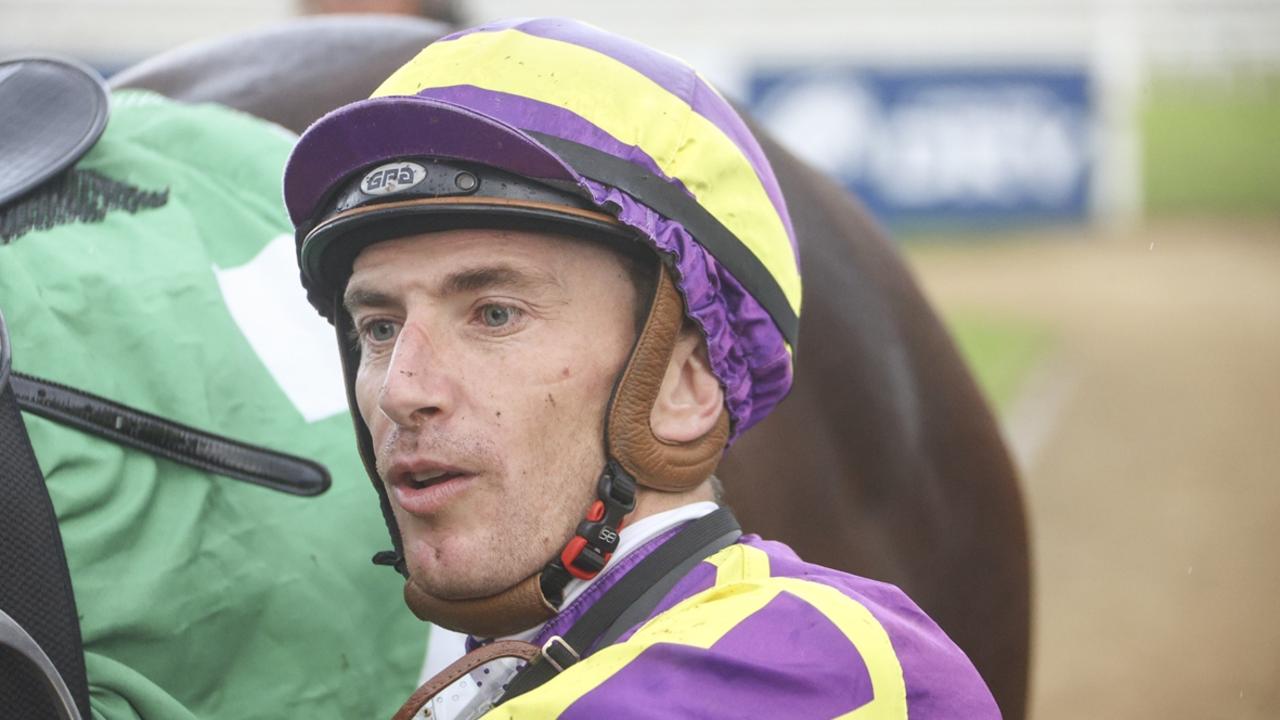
[1090,194]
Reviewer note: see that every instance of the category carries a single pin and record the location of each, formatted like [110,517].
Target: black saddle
[52,110]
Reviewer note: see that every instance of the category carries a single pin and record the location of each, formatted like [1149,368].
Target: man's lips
[423,487]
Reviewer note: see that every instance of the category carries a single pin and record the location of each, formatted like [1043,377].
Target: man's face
[487,359]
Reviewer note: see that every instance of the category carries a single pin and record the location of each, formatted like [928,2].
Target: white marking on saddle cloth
[288,335]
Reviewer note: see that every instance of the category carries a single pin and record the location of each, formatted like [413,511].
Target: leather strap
[460,667]
[510,611]
[171,440]
[653,462]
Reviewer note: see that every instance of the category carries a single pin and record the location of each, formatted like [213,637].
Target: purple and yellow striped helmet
[628,131]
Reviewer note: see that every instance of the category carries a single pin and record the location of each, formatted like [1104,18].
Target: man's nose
[417,385]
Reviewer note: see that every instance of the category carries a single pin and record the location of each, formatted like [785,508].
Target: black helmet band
[412,196]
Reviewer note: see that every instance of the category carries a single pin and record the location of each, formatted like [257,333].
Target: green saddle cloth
[160,273]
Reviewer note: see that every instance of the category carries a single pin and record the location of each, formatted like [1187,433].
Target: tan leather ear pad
[510,611]
[654,463]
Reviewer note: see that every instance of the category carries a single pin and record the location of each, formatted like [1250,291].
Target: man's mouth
[424,491]
[418,481]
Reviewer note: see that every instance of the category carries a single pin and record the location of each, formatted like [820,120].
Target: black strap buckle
[596,537]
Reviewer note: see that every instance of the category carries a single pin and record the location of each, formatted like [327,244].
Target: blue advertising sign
[940,146]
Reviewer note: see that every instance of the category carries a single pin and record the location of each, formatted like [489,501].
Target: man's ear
[690,400]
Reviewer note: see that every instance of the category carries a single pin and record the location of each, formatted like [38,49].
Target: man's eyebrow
[357,298]
[462,281]
[484,278]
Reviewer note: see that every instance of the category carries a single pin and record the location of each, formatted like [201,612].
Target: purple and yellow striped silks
[753,631]
[561,86]
[674,122]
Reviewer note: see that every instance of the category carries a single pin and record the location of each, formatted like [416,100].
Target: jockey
[563,280]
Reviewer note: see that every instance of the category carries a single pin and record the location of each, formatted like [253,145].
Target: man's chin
[454,589]
[456,568]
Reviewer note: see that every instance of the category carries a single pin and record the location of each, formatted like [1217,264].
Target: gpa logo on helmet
[392,178]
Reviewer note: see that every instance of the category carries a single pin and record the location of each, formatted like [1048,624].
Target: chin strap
[537,598]
[596,537]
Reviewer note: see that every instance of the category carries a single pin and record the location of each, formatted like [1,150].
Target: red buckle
[596,537]
[570,554]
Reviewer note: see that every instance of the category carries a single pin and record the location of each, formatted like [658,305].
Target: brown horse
[885,460]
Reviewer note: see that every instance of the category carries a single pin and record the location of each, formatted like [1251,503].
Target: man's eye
[380,330]
[496,315]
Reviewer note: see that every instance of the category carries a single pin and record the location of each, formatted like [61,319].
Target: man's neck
[635,534]
[651,502]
